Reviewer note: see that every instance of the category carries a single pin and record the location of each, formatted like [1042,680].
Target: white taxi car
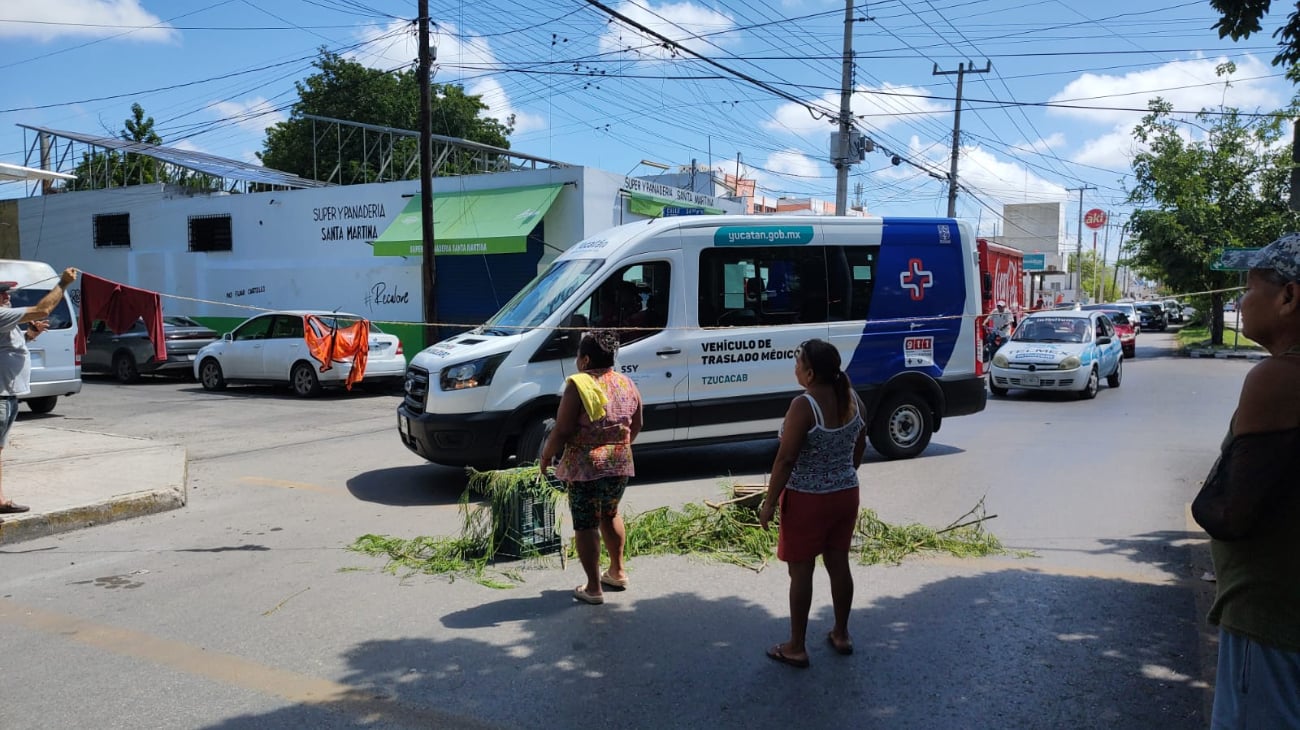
[271,348]
[1059,350]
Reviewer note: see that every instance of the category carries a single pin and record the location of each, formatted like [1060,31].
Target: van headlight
[1069,363]
[471,374]
[1001,360]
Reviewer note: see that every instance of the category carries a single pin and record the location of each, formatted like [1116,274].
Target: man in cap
[1000,319]
[15,361]
[1250,506]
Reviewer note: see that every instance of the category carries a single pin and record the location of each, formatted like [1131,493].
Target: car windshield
[1052,329]
[1117,317]
[543,295]
[180,322]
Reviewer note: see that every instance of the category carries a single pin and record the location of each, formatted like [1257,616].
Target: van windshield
[60,318]
[543,295]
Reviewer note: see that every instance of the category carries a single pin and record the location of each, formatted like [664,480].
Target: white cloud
[253,115]
[48,20]
[878,107]
[794,163]
[1112,151]
[453,49]
[680,22]
[1187,85]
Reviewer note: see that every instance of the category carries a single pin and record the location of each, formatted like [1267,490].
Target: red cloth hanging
[335,344]
[119,306]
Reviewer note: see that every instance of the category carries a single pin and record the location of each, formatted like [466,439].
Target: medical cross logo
[916,279]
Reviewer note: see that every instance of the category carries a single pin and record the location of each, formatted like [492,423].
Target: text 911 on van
[918,352]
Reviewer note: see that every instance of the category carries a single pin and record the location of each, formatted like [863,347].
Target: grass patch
[727,533]
[1198,336]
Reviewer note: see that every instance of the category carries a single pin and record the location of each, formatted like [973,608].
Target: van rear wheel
[42,405]
[902,426]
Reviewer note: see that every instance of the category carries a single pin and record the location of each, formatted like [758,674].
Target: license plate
[404,425]
[1029,380]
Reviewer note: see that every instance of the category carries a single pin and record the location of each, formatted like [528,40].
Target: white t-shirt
[15,364]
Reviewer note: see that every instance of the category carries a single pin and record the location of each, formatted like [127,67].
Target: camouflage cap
[1282,256]
[607,339]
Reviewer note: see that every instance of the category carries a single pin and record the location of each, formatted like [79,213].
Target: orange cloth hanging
[335,344]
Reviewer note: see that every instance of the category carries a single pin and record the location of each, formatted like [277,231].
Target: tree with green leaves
[1200,186]
[347,90]
[115,169]
[1094,271]
[1242,18]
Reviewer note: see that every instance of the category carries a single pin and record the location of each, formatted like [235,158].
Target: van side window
[851,277]
[60,318]
[763,285]
[636,297]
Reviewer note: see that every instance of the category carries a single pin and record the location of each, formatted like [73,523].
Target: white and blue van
[711,309]
[56,367]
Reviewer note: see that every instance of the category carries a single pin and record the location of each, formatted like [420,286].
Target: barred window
[113,230]
[210,233]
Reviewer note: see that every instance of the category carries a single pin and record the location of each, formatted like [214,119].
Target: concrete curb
[1228,354]
[33,525]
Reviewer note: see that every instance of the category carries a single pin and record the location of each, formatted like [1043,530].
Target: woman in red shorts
[815,479]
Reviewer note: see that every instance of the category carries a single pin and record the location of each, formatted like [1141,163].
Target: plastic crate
[527,528]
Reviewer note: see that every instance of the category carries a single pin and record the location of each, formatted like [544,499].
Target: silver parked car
[131,353]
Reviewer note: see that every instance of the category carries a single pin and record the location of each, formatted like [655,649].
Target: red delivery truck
[1002,279]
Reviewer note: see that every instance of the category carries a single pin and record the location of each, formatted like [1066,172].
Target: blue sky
[1052,114]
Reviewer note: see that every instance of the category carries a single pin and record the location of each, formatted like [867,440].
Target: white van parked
[56,368]
[714,308]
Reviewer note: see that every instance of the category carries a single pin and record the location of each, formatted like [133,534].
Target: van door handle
[669,351]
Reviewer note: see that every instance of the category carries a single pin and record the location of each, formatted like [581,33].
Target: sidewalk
[73,479]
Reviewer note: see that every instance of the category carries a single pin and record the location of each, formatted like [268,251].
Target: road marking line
[265,482]
[231,670]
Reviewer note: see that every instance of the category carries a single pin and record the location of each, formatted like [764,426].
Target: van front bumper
[454,439]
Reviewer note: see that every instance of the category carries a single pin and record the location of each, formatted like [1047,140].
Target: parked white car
[272,348]
[1063,350]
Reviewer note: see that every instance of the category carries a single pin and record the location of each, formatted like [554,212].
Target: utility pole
[842,162]
[962,70]
[1078,249]
[1105,251]
[429,264]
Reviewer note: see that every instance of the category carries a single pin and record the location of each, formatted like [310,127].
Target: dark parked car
[1152,315]
[131,353]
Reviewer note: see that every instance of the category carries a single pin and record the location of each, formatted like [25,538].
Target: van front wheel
[902,426]
[531,441]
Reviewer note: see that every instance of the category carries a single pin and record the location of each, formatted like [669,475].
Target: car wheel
[42,405]
[902,426]
[1113,379]
[210,375]
[529,448]
[1094,383]
[304,381]
[124,368]
[996,389]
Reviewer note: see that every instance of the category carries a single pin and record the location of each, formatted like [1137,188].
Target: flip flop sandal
[612,582]
[776,654]
[582,595]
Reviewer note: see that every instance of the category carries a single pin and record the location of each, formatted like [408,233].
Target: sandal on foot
[10,508]
[581,594]
[844,648]
[776,654]
[612,582]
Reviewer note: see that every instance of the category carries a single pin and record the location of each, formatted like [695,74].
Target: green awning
[467,223]
[652,206]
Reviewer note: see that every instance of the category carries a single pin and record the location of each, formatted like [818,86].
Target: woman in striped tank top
[815,480]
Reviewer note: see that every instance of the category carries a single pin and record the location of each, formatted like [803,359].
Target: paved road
[244,611]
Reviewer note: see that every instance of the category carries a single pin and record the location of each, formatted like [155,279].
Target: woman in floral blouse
[598,418]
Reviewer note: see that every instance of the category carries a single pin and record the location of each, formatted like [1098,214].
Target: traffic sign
[1095,218]
[1035,261]
[1233,259]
